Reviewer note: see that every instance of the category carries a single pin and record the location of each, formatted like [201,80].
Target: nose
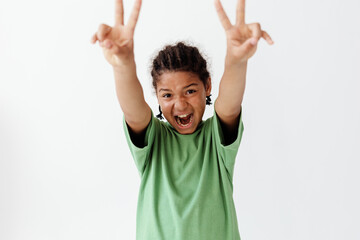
[181,104]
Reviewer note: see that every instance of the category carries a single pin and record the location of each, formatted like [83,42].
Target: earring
[159,116]
[208,100]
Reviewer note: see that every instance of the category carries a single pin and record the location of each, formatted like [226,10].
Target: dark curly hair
[179,57]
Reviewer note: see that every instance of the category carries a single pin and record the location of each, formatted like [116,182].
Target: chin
[185,132]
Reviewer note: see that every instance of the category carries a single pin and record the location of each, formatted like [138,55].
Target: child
[186,165]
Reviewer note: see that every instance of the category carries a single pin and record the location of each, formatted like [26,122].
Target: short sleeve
[227,153]
[141,155]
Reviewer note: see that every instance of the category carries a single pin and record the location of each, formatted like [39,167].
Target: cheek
[166,107]
[199,104]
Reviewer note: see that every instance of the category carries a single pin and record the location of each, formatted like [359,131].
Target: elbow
[228,111]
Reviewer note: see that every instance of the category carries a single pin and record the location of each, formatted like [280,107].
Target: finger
[240,12]
[108,44]
[93,38]
[119,12]
[247,46]
[255,30]
[103,31]
[267,37]
[222,15]
[134,15]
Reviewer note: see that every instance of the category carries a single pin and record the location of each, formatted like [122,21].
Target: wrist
[124,64]
[234,63]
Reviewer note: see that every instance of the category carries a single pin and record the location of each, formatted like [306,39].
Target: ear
[208,87]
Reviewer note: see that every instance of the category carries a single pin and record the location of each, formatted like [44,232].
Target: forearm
[231,89]
[130,94]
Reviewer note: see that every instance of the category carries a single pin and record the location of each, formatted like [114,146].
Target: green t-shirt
[186,190]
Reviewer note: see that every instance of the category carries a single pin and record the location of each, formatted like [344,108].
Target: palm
[122,37]
[236,37]
[240,35]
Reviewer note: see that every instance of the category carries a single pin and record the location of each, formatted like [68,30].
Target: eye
[166,95]
[191,91]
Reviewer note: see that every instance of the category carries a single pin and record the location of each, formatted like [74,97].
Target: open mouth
[185,120]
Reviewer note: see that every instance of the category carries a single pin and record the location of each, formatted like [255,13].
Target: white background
[65,168]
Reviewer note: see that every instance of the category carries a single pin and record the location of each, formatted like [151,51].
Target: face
[182,98]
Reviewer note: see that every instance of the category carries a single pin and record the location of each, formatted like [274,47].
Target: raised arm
[118,48]
[242,42]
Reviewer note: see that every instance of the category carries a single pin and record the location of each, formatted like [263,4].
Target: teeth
[182,116]
[178,121]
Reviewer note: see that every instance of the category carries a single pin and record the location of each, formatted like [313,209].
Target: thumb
[107,44]
[248,48]
[109,47]
[249,44]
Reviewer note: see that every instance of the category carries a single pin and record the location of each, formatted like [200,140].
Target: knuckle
[255,25]
[103,27]
[102,31]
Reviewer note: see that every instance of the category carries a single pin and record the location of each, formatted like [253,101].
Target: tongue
[185,120]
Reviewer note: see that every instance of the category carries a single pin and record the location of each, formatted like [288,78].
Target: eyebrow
[168,90]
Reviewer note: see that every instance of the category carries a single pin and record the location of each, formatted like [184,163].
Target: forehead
[177,80]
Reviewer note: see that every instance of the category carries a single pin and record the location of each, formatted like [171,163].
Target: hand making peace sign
[241,38]
[117,42]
